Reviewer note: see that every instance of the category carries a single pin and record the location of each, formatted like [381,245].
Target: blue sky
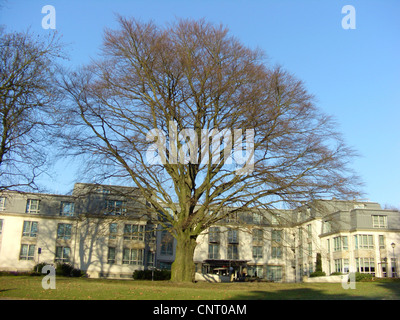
[354,74]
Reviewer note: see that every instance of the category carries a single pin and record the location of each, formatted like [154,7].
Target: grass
[28,287]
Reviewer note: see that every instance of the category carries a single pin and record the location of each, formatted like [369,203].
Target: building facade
[107,231]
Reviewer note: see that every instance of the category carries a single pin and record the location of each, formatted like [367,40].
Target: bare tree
[27,90]
[182,91]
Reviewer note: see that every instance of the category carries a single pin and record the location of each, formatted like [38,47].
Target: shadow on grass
[381,290]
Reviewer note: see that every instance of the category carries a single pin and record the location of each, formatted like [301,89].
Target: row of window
[232,251]
[378,221]
[364,265]
[63,254]
[67,208]
[233,235]
[361,241]
[64,231]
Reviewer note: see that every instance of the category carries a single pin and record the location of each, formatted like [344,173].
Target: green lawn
[29,287]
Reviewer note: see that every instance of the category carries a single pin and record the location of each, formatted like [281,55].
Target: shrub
[147,275]
[364,277]
[67,270]
[317,274]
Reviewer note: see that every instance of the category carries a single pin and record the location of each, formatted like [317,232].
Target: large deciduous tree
[27,92]
[164,106]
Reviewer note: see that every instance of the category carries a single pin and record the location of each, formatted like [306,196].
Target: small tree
[318,263]
[27,92]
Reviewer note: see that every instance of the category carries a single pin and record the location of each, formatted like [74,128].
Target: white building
[101,230]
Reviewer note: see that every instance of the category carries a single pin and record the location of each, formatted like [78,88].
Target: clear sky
[354,73]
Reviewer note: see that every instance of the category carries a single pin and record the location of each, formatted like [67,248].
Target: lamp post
[394,261]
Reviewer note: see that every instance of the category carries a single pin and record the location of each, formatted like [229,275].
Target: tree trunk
[183,268]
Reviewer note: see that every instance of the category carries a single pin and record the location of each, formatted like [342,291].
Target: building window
[63,254]
[258,235]
[27,252]
[365,265]
[257,252]
[115,207]
[257,218]
[67,208]
[113,229]
[255,271]
[233,251]
[213,235]
[33,206]
[342,265]
[167,243]
[64,231]
[310,248]
[379,221]
[274,273]
[151,257]
[132,256]
[213,251]
[1,226]
[276,244]
[134,232]
[340,243]
[30,229]
[111,255]
[327,226]
[381,242]
[233,236]
[363,241]
[393,263]
[2,203]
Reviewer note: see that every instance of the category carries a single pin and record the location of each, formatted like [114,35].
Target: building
[108,231]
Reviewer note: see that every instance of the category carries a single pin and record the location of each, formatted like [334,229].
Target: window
[381,242]
[134,232]
[327,227]
[363,241]
[255,271]
[111,255]
[115,207]
[274,273]
[30,229]
[64,231]
[113,231]
[257,218]
[276,244]
[213,234]
[233,236]
[213,251]
[233,251]
[310,248]
[167,243]
[276,252]
[62,254]
[379,221]
[257,235]
[2,203]
[394,267]
[309,230]
[1,226]
[340,243]
[150,258]
[27,252]
[342,265]
[67,208]
[132,256]
[365,265]
[33,206]
[257,252]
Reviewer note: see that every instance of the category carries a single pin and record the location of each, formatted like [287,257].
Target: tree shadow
[316,294]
